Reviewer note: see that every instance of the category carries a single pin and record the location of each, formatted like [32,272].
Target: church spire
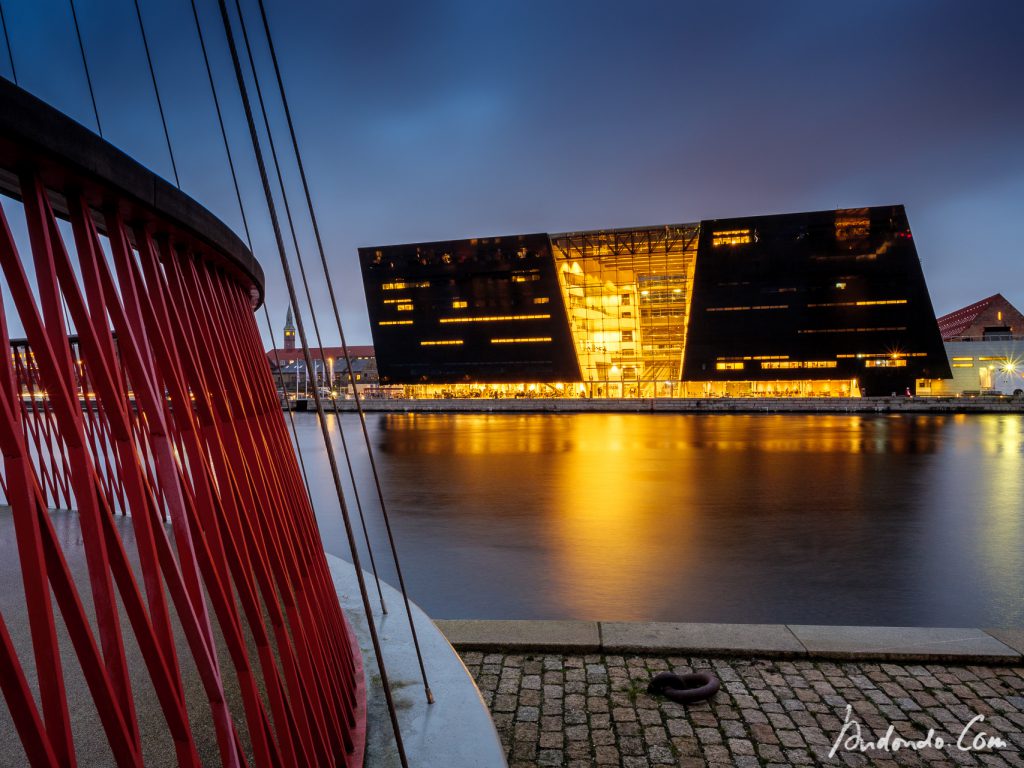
[289,330]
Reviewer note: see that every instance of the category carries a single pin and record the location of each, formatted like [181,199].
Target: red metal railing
[141,389]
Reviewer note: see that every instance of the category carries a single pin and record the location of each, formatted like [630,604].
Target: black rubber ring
[685,689]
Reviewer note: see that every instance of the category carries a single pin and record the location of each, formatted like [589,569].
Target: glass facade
[627,297]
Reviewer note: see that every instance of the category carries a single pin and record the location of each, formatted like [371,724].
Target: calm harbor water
[833,519]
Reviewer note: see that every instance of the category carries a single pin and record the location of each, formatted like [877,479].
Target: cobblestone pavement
[556,710]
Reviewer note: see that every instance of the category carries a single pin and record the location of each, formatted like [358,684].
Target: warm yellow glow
[404,307]
[858,303]
[493,318]
[626,294]
[401,285]
[970,359]
[729,366]
[799,364]
[541,300]
[528,340]
[963,365]
[441,343]
[394,322]
[741,309]
[882,363]
[731,237]
[460,304]
[402,300]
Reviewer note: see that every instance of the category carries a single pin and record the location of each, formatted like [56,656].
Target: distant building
[984,342]
[824,303]
[288,365]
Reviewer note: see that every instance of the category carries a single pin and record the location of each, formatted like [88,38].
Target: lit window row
[493,318]
[964,359]
[882,363]
[963,365]
[441,343]
[541,300]
[401,285]
[407,307]
[525,278]
[731,237]
[396,301]
[799,364]
[855,330]
[859,303]
[729,366]
[893,355]
[394,322]
[757,357]
[457,304]
[526,340]
[741,309]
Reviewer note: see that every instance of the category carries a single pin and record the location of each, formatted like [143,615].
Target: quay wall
[688,405]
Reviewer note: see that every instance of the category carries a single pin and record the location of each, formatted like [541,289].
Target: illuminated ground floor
[625,389]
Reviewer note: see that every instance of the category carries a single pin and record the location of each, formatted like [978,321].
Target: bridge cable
[248,235]
[156,91]
[341,332]
[293,297]
[7,41]
[309,298]
[85,66]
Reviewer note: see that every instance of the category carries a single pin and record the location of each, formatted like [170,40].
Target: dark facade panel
[826,295]
[487,310]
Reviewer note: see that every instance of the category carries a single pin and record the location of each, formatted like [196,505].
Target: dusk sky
[427,121]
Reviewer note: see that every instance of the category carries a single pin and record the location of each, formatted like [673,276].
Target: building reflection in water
[748,518]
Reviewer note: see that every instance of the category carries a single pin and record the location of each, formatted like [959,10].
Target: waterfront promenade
[688,405]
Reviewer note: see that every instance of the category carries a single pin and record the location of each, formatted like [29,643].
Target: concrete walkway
[777,641]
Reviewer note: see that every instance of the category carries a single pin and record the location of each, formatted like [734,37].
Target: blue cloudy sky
[436,120]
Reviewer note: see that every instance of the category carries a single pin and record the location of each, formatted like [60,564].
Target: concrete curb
[780,641]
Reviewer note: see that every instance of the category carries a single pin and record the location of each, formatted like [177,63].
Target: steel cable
[309,298]
[328,444]
[344,345]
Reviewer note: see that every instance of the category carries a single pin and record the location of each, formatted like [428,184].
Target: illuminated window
[990,359]
[820,364]
[742,309]
[395,322]
[627,335]
[964,359]
[524,340]
[858,303]
[404,307]
[731,237]
[883,363]
[460,304]
[493,318]
[963,365]
[401,285]
[841,286]
[525,277]
[396,301]
[783,364]
[729,366]
[441,343]
[541,300]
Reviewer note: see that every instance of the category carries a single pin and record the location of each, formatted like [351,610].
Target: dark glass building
[830,302]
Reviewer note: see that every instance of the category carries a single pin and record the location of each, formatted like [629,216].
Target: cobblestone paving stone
[558,710]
